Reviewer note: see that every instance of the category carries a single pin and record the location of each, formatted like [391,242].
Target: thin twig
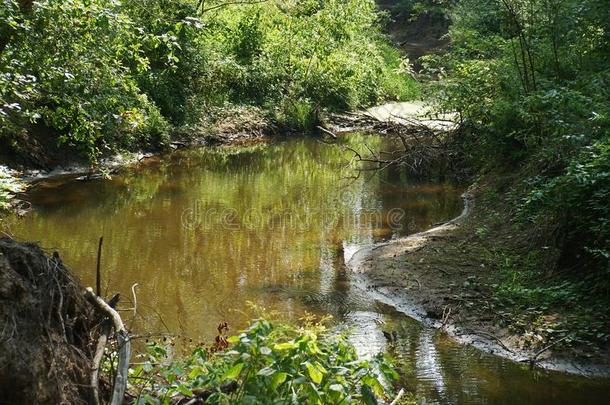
[326,131]
[401,393]
[98,272]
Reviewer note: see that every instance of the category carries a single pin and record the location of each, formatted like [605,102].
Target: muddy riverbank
[443,277]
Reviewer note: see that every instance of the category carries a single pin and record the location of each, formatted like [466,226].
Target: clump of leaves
[530,83]
[8,187]
[267,363]
[104,76]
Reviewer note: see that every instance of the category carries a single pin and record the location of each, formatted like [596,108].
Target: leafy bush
[106,75]
[273,364]
[66,66]
[547,309]
[531,83]
[169,42]
[9,185]
[324,54]
[578,199]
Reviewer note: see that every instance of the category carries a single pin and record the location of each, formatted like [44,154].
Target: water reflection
[205,231]
[427,363]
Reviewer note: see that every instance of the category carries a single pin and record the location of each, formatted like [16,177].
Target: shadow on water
[205,231]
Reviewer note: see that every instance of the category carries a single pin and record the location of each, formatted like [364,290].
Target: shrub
[107,75]
[67,67]
[270,363]
[577,200]
[530,81]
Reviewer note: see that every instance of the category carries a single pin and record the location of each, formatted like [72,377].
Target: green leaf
[336,387]
[267,371]
[388,371]
[314,395]
[285,346]
[195,372]
[374,384]
[278,378]
[184,390]
[233,372]
[314,373]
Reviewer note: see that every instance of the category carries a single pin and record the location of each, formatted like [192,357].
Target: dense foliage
[531,80]
[100,75]
[267,363]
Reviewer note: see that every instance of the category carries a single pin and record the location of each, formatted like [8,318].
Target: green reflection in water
[204,231]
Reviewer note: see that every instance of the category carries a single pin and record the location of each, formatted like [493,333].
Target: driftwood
[534,359]
[97,360]
[401,393]
[420,147]
[326,131]
[124,345]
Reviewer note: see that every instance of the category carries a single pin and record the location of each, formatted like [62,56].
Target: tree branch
[124,342]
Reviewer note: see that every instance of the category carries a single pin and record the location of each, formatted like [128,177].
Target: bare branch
[124,343]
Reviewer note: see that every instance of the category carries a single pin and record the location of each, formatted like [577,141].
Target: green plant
[100,76]
[579,197]
[301,115]
[530,81]
[545,309]
[9,186]
[481,231]
[66,66]
[268,363]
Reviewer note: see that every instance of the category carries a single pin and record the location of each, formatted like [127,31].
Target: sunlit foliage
[104,75]
[531,81]
[267,363]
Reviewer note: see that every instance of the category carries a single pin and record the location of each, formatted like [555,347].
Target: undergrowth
[269,363]
[8,187]
[548,307]
[103,76]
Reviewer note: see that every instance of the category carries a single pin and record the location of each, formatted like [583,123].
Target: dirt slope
[443,278]
[44,329]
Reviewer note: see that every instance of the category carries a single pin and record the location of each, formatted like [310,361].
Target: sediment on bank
[452,277]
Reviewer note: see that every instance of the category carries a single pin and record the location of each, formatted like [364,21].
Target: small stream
[204,232]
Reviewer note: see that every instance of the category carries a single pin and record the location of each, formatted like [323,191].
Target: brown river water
[205,232]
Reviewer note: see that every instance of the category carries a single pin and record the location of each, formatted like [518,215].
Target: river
[205,232]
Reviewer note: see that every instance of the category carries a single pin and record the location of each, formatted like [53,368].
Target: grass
[532,290]
[546,307]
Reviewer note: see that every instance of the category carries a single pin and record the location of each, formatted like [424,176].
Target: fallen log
[326,131]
